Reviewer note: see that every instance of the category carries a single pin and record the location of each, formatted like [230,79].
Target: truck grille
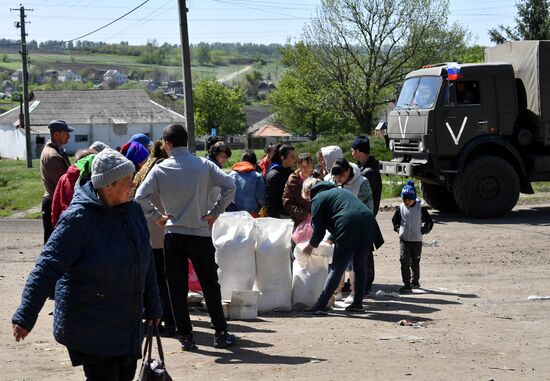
[406,146]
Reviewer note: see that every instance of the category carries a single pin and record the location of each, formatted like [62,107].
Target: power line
[112,22]
[142,20]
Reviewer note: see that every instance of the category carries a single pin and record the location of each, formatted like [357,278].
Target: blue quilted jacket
[100,261]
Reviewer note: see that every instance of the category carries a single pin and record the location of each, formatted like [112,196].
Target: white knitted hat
[109,166]
[98,146]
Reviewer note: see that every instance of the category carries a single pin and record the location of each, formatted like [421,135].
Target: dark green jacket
[339,211]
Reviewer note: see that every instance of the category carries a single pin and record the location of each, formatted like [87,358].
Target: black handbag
[153,369]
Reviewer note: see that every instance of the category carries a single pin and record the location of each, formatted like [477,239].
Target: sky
[254,21]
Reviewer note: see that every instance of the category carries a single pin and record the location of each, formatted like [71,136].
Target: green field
[82,60]
[20,187]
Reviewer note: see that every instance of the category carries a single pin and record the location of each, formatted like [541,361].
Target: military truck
[476,135]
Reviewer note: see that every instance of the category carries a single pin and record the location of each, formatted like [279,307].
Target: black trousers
[47,218]
[410,260]
[178,248]
[100,368]
[163,287]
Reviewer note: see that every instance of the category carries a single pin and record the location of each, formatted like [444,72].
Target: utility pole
[21,24]
[187,84]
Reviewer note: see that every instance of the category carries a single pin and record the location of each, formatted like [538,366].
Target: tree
[364,47]
[304,101]
[219,107]
[202,54]
[532,23]
[253,80]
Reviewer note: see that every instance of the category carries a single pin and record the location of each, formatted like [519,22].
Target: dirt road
[474,321]
[230,76]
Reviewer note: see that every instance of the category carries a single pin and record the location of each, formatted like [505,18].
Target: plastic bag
[309,273]
[273,275]
[303,232]
[234,237]
[193,281]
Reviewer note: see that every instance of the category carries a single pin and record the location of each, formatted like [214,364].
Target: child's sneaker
[405,290]
[224,339]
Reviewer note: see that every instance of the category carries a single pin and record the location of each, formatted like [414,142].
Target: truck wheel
[488,187]
[438,197]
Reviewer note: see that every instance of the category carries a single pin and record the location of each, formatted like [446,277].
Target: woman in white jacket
[348,176]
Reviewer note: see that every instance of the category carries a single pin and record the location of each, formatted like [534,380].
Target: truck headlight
[392,144]
[421,147]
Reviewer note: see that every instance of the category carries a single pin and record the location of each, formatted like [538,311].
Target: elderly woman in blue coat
[100,261]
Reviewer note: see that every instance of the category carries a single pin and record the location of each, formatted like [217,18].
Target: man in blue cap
[54,162]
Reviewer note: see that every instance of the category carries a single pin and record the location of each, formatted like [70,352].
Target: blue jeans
[340,259]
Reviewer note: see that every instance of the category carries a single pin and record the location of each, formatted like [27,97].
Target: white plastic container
[244,305]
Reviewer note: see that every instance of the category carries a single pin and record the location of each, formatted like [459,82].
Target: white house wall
[12,143]
[12,140]
[106,134]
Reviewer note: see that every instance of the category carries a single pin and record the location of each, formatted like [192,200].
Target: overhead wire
[112,22]
[142,20]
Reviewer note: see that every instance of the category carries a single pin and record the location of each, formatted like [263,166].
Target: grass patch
[541,187]
[20,187]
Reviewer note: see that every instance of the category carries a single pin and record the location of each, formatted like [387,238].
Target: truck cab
[453,128]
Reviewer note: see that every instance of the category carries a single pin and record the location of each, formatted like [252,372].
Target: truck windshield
[419,92]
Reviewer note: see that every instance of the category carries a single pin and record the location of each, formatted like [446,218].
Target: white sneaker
[350,298]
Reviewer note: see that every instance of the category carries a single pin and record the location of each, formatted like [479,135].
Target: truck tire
[438,197]
[487,187]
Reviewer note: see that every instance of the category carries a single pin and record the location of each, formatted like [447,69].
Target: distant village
[113,115]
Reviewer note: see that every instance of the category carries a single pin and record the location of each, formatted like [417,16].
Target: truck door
[472,115]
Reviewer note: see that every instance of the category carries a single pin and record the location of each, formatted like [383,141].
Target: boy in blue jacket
[411,220]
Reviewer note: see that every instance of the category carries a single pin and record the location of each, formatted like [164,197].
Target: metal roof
[93,106]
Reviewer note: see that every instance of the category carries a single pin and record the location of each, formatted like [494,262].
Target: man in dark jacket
[370,168]
[353,230]
[100,261]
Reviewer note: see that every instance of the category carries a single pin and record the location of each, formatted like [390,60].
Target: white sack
[309,274]
[273,277]
[234,238]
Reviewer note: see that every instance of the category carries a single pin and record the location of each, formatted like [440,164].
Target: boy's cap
[409,191]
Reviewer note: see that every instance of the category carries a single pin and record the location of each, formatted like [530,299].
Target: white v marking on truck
[455,138]
[403,130]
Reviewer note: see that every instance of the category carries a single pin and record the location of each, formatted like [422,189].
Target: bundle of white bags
[255,254]
[309,274]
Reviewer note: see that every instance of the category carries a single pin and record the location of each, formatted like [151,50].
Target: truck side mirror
[451,88]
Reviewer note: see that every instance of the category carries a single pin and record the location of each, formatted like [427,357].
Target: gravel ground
[472,321]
